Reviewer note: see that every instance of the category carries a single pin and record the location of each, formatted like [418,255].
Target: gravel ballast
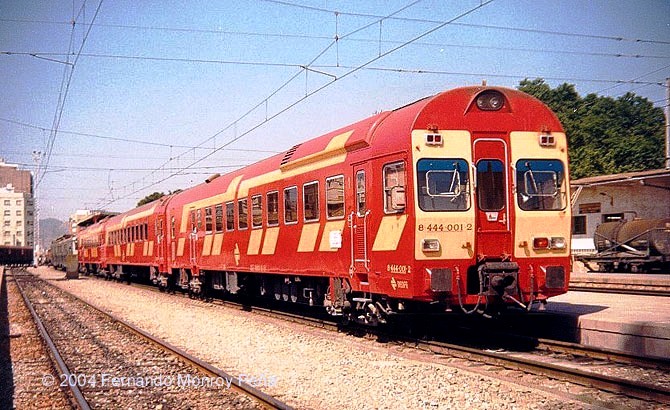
[305,367]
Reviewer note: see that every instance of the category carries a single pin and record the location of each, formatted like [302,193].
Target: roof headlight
[490,100]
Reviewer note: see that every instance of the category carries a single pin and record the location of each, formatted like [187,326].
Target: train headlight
[490,100]
[430,245]
[557,242]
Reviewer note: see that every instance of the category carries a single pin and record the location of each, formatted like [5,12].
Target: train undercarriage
[495,285]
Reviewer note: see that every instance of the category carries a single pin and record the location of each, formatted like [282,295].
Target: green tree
[605,135]
[150,198]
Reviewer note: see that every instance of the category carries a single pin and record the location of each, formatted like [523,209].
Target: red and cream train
[456,200]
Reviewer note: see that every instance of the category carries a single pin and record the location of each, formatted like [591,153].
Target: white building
[606,198]
[17,217]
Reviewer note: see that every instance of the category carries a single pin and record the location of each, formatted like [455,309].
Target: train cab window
[273,208]
[539,184]
[256,211]
[291,205]
[335,197]
[208,220]
[394,187]
[491,185]
[310,198]
[360,193]
[218,218]
[443,184]
[230,216]
[242,214]
[172,226]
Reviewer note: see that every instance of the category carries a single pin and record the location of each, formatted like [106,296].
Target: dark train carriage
[16,255]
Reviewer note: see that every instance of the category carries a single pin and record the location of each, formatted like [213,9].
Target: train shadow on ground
[515,331]
[6,372]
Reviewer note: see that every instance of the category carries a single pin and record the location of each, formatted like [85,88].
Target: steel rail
[620,290]
[661,363]
[611,384]
[243,387]
[76,393]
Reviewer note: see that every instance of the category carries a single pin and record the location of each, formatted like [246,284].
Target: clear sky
[158,95]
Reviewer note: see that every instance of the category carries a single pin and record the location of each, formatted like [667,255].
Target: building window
[273,208]
[7,223]
[291,205]
[7,212]
[218,218]
[394,187]
[19,202]
[230,216]
[335,197]
[242,217]
[579,225]
[310,201]
[256,211]
[7,202]
[19,212]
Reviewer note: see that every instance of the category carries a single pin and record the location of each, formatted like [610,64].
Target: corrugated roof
[622,178]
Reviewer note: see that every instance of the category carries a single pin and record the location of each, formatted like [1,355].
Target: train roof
[451,109]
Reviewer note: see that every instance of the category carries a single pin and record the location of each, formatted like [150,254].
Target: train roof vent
[289,154]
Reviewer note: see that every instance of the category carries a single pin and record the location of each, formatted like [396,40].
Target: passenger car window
[291,205]
[335,197]
[310,196]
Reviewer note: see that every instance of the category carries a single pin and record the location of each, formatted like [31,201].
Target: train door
[493,237]
[193,236]
[160,240]
[359,224]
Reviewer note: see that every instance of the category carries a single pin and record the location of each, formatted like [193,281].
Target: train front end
[492,214]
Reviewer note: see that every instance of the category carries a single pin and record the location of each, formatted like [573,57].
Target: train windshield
[443,185]
[539,184]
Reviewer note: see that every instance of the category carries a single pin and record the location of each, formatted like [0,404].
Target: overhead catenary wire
[317,90]
[62,98]
[487,26]
[234,123]
[343,13]
[129,140]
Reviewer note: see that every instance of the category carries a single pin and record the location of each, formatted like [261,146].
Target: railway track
[621,290]
[646,380]
[107,362]
[625,284]
[610,371]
